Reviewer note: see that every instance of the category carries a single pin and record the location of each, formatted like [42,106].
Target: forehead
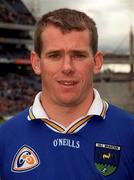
[53,36]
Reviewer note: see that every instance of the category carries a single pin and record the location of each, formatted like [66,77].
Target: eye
[79,56]
[54,56]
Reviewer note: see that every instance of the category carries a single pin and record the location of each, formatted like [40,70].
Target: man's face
[66,66]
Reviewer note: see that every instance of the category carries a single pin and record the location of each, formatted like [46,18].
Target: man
[69,132]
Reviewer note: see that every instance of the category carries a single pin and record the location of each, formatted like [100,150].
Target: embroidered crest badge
[106,158]
[25,159]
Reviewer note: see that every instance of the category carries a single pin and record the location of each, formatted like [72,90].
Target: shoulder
[121,125]
[14,123]
[120,114]
[120,121]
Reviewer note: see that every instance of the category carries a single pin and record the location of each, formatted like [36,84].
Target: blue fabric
[70,156]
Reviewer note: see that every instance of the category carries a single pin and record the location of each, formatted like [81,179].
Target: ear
[98,62]
[35,61]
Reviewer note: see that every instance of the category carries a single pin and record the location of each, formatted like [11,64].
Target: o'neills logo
[66,142]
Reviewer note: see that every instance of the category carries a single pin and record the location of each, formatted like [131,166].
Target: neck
[65,115]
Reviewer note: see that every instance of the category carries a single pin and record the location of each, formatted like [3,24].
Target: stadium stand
[16,12]
[18,84]
[16,23]
[17,91]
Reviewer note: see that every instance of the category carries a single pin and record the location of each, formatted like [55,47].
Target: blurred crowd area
[14,11]
[13,52]
[16,93]
[17,89]
[16,29]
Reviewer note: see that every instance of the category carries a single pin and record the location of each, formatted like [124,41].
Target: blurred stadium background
[18,84]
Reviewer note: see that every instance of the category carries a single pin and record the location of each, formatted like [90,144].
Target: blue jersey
[102,149]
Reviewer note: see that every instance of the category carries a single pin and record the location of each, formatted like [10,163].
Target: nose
[68,65]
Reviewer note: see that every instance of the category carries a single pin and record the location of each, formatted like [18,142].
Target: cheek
[48,74]
[46,69]
[49,68]
[86,71]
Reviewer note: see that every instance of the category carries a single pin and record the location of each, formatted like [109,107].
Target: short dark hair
[66,20]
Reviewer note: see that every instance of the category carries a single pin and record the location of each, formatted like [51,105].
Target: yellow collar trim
[104,109]
[78,124]
[31,115]
[53,125]
[75,126]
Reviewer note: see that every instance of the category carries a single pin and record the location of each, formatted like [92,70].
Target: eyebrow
[79,51]
[71,51]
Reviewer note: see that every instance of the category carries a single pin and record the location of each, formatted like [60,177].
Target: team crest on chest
[25,159]
[106,158]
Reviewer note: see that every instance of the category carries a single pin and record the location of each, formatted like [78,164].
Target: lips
[67,82]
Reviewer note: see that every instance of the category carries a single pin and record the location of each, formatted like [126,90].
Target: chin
[69,102]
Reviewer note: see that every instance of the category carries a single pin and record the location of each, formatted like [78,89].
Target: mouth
[67,83]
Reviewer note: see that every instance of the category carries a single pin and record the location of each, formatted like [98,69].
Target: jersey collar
[98,107]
